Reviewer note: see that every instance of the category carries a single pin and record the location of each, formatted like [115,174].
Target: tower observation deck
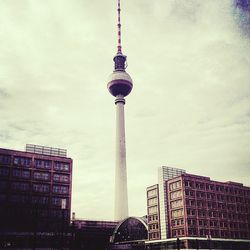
[120,85]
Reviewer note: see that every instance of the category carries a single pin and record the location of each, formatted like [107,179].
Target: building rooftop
[31,148]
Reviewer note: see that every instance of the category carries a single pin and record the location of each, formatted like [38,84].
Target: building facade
[156,200]
[153,212]
[201,208]
[92,234]
[35,189]
[165,173]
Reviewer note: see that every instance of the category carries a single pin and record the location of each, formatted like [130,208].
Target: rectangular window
[5,159]
[41,176]
[40,200]
[43,164]
[61,166]
[20,186]
[152,192]
[177,213]
[21,173]
[175,185]
[175,194]
[57,201]
[177,203]
[58,213]
[61,178]
[61,189]
[19,198]
[22,161]
[4,171]
[26,174]
[152,201]
[153,210]
[41,188]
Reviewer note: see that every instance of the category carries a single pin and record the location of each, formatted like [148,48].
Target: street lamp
[178,244]
[209,239]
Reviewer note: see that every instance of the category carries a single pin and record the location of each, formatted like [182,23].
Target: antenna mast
[119,47]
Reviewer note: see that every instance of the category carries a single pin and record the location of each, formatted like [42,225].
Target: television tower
[120,85]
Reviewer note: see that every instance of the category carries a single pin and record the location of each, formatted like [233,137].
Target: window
[177,203]
[199,203]
[191,211]
[177,213]
[58,213]
[61,189]
[43,164]
[175,185]
[61,178]
[202,232]
[179,222]
[5,159]
[153,217]
[197,185]
[175,194]
[152,192]
[21,173]
[4,171]
[20,186]
[153,210]
[189,193]
[201,213]
[40,200]
[41,176]
[47,163]
[26,174]
[22,161]
[61,166]
[19,198]
[42,188]
[192,231]
[152,201]
[153,226]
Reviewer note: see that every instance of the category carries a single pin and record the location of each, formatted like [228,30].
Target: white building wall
[165,173]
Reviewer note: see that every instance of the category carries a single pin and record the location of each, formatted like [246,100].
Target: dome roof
[129,229]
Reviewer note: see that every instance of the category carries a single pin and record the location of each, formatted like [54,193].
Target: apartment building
[196,206]
[35,189]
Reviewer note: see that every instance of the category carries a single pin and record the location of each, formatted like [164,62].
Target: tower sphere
[120,83]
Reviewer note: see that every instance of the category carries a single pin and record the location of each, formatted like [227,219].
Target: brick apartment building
[35,189]
[199,207]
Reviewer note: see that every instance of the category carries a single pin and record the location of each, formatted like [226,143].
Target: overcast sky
[189,108]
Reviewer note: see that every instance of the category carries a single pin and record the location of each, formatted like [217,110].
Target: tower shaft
[121,196]
[120,85]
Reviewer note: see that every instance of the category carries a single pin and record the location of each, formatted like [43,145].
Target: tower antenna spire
[119,47]
[119,58]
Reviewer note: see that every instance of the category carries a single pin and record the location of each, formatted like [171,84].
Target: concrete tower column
[121,195]
[120,85]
